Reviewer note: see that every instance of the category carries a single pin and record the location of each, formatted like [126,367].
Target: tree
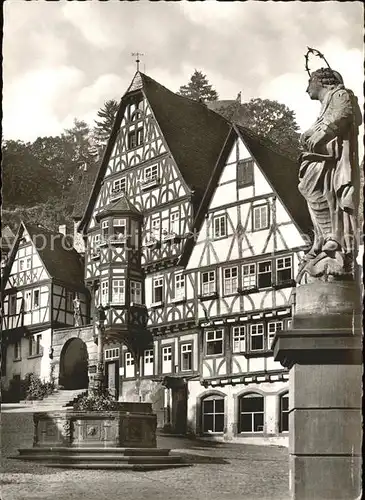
[103,128]
[84,149]
[273,120]
[268,119]
[25,180]
[198,88]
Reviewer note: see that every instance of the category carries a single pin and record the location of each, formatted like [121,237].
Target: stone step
[117,466]
[107,458]
[112,451]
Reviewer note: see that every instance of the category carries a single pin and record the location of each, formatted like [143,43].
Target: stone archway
[74,365]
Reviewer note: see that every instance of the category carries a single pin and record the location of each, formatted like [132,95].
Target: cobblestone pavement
[220,472]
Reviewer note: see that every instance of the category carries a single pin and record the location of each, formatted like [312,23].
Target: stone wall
[85,333]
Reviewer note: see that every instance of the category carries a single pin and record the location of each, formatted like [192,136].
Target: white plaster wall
[271,392]
[39,365]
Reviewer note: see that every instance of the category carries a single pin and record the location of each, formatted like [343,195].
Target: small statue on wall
[329,177]
[77,311]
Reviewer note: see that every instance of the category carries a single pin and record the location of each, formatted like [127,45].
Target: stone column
[323,354]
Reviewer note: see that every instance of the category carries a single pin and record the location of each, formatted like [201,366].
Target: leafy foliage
[36,389]
[104,125]
[198,88]
[273,120]
[96,402]
[268,119]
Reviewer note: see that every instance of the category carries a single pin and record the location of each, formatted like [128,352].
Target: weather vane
[137,55]
[316,53]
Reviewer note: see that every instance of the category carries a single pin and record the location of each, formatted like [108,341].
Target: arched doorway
[74,365]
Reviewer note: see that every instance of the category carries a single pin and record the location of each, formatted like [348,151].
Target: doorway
[74,365]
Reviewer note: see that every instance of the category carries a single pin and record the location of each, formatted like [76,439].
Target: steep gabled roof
[193,133]
[81,192]
[60,260]
[280,171]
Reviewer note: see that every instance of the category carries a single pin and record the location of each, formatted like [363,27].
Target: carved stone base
[324,354]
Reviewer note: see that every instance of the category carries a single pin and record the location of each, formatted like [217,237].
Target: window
[244,173]
[25,264]
[175,223]
[186,357]
[214,341]
[151,173]
[95,242]
[155,228]
[179,286]
[17,350]
[239,339]
[35,345]
[213,414]
[69,300]
[230,280]
[248,276]
[167,359]
[264,274]
[28,301]
[260,217]
[283,269]
[257,337]
[129,364]
[251,413]
[105,230]
[12,305]
[272,328]
[136,292]
[208,283]
[119,185]
[135,138]
[148,362]
[220,226]
[119,229]
[36,299]
[134,110]
[104,293]
[112,353]
[284,413]
[118,292]
[157,289]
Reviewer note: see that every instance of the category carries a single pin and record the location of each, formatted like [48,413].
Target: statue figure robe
[329,175]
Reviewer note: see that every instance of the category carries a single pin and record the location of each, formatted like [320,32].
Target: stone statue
[77,311]
[328,178]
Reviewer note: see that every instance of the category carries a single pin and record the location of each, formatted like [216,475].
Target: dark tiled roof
[281,172]
[62,262]
[123,205]
[194,134]
[81,192]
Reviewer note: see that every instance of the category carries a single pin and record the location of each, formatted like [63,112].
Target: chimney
[62,229]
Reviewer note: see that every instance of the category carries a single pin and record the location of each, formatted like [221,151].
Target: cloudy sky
[63,59]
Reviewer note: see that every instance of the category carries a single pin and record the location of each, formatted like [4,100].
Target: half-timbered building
[191,237]
[42,279]
[193,232]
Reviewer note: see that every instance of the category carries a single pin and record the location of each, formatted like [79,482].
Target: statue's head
[324,78]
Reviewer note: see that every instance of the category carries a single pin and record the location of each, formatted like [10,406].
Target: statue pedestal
[323,352]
